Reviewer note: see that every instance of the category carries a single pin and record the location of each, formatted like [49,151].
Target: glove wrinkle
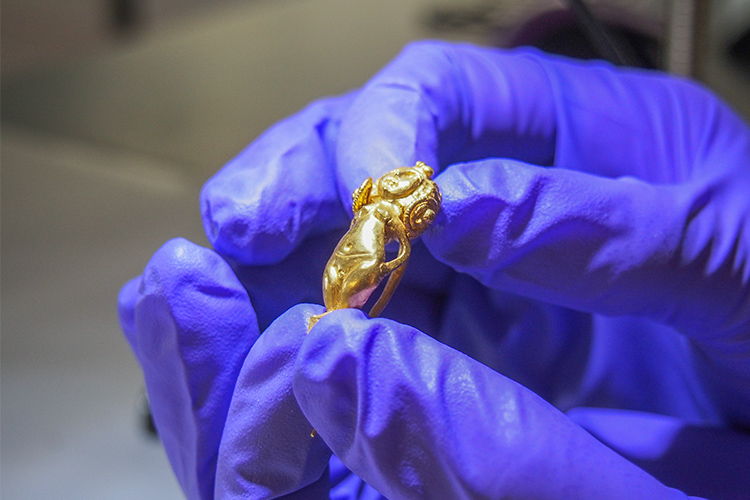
[413,109]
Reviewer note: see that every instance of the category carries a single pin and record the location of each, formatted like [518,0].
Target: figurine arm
[397,229]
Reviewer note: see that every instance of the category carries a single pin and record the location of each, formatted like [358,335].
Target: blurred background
[114,113]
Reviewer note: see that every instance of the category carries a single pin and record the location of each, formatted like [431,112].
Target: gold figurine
[399,206]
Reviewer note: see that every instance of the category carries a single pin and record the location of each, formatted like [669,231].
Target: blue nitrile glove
[645,216]
[647,212]
[191,326]
[417,419]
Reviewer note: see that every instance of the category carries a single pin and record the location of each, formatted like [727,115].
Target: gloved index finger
[279,190]
[441,103]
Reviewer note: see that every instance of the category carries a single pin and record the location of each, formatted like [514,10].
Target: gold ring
[399,207]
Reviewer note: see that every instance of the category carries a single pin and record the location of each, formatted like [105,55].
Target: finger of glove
[444,103]
[616,122]
[279,190]
[190,324]
[596,244]
[707,461]
[438,103]
[417,419]
[267,450]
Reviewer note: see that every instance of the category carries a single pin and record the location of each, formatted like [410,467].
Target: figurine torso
[398,207]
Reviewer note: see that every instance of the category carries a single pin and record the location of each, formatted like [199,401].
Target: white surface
[76,224]
[199,91]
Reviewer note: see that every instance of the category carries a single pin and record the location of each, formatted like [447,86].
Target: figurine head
[412,189]
[398,183]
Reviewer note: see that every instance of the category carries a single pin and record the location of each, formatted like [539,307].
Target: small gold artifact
[399,207]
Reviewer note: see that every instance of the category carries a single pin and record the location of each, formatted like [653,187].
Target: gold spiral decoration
[419,216]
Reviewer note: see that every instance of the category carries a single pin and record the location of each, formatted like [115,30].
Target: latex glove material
[647,213]
[191,311]
[224,412]
[256,215]
[659,167]
[190,324]
[267,450]
[279,191]
[706,460]
[417,419]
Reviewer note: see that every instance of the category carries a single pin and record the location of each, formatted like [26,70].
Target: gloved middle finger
[190,324]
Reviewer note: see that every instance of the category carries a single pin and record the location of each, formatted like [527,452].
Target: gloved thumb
[416,419]
[268,449]
[610,246]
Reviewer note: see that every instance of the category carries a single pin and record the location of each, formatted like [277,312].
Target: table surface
[77,222]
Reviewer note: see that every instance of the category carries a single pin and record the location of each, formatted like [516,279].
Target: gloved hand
[645,215]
